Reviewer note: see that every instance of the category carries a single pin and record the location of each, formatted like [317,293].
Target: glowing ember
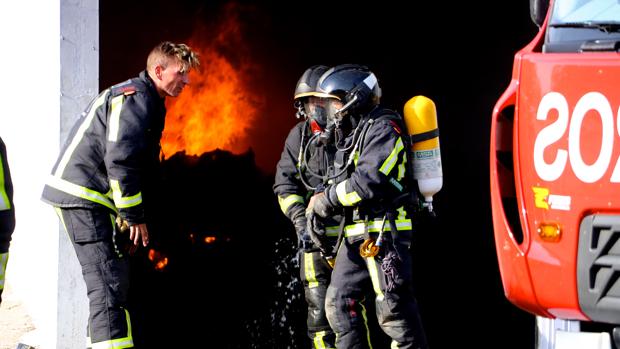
[216,110]
[210,239]
[159,259]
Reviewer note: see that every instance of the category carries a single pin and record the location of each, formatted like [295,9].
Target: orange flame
[158,258]
[210,239]
[218,108]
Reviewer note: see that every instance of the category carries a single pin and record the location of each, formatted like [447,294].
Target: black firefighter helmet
[352,84]
[306,87]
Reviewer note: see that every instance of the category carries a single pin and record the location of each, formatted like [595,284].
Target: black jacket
[7,208]
[294,183]
[112,153]
[378,174]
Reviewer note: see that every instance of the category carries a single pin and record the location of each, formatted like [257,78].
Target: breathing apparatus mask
[324,117]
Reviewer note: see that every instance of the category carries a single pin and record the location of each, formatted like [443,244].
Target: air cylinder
[421,119]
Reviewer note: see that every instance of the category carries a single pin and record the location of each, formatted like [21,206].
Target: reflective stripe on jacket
[379,174]
[112,152]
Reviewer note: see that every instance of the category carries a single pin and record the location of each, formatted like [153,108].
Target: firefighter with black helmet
[302,168]
[372,191]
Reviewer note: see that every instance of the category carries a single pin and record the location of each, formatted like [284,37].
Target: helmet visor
[315,108]
[333,107]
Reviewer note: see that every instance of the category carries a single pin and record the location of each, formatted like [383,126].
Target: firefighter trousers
[7,225]
[106,274]
[315,276]
[396,307]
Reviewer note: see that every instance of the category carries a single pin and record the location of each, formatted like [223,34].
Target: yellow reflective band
[375,227]
[402,214]
[318,341]
[374,277]
[309,270]
[4,258]
[5,204]
[123,201]
[81,192]
[332,231]
[401,168]
[394,345]
[115,117]
[79,134]
[365,317]
[285,203]
[119,343]
[389,163]
[346,199]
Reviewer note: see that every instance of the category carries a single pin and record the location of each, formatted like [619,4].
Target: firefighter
[374,195]
[302,168]
[105,171]
[7,213]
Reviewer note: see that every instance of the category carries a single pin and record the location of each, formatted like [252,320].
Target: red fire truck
[555,175]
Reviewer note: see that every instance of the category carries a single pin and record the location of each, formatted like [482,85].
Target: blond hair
[166,51]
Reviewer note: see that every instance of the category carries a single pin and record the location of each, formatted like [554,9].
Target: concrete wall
[50,71]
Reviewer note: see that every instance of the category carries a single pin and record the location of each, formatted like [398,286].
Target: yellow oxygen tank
[420,117]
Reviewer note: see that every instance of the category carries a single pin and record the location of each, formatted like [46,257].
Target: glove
[321,205]
[303,238]
[318,235]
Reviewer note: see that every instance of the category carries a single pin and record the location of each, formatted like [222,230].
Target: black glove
[297,214]
[303,238]
[318,234]
[322,206]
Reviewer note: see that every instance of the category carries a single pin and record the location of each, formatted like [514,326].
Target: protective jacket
[7,213]
[376,180]
[111,151]
[292,190]
[7,209]
[288,185]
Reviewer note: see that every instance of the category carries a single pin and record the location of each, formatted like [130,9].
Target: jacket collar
[144,76]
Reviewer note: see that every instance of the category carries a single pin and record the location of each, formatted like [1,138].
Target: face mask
[327,135]
[318,114]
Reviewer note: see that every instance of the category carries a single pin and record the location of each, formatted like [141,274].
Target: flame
[210,239]
[158,258]
[218,108]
